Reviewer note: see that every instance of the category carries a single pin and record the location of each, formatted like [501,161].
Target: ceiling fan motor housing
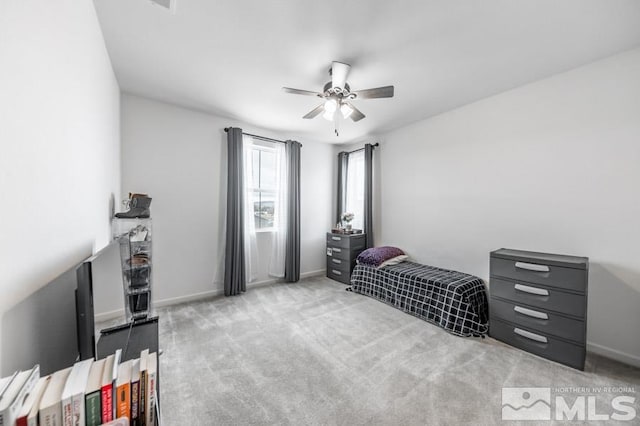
[328,90]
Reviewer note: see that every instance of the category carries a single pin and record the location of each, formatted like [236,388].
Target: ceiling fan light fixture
[346,110]
[330,105]
[337,95]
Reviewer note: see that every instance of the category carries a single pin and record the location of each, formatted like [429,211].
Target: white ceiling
[231,57]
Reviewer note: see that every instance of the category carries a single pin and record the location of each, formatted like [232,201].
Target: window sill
[266,230]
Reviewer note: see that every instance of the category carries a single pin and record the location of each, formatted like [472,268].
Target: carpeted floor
[311,353]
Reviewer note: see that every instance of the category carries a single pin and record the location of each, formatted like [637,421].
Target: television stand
[132,337]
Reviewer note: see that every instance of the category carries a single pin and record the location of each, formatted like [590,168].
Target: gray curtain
[368,195]
[292,255]
[234,272]
[343,164]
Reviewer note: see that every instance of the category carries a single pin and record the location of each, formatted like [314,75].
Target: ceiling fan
[337,95]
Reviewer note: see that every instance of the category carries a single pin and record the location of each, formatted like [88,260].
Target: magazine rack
[134,237]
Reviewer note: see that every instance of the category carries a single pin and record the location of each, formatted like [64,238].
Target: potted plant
[346,218]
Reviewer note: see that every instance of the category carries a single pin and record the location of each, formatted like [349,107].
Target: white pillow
[394,260]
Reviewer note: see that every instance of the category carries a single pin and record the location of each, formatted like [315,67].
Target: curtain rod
[226,129]
[362,149]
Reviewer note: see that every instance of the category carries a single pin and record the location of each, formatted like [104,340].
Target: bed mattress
[452,300]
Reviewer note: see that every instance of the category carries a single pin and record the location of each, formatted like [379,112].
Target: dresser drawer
[342,253]
[549,275]
[345,241]
[547,298]
[539,343]
[339,274]
[538,319]
[336,263]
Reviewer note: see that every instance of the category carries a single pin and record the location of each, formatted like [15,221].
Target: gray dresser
[539,303]
[342,251]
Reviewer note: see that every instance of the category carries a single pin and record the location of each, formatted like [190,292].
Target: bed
[452,300]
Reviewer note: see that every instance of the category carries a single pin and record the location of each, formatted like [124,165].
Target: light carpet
[312,353]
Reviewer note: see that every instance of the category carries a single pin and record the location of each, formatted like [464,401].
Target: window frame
[262,147]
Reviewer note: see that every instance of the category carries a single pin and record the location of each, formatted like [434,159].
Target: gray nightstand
[342,251]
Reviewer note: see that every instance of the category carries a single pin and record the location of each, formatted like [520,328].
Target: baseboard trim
[119,313]
[281,280]
[615,354]
[310,274]
[107,316]
[188,298]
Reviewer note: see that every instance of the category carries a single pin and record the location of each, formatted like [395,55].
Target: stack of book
[90,393]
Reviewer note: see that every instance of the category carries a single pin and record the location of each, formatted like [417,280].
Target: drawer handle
[530,335]
[532,267]
[336,272]
[336,261]
[531,290]
[337,250]
[531,313]
[336,238]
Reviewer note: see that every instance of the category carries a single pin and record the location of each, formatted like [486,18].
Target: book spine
[93,410]
[8,417]
[143,398]
[107,403]
[135,396]
[67,412]
[151,398]
[51,416]
[123,408]
[22,421]
[78,410]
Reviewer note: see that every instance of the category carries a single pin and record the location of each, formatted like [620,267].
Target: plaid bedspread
[455,301]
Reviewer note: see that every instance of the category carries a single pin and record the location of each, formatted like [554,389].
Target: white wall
[178,156]
[59,132]
[552,166]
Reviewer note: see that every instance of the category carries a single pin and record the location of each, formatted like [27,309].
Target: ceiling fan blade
[301,92]
[356,115]
[314,112]
[339,73]
[378,92]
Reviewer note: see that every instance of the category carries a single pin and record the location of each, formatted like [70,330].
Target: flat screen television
[43,328]
[85,321]
[55,326]
[106,277]
[99,290]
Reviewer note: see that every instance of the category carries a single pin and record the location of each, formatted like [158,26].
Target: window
[355,188]
[262,184]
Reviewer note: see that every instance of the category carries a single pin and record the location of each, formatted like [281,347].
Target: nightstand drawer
[538,296]
[538,343]
[340,253]
[339,274]
[345,264]
[353,242]
[538,319]
[540,273]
